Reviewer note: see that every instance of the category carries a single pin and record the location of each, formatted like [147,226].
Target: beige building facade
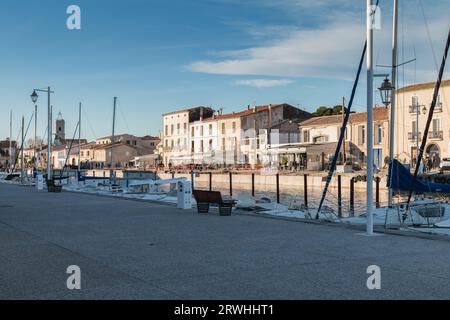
[176,135]
[412,108]
[325,131]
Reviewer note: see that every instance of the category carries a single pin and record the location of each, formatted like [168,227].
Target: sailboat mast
[394,83]
[35,136]
[369,129]
[49,137]
[79,140]
[22,173]
[112,138]
[344,158]
[10,141]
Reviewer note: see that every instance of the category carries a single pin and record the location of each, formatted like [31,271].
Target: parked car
[445,164]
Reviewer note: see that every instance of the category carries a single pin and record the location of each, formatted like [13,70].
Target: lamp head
[385,91]
[34,96]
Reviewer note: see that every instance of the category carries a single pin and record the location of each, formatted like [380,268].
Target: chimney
[248,107]
[201,113]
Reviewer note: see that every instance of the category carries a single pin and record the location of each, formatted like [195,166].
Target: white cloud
[327,52]
[263,83]
[332,50]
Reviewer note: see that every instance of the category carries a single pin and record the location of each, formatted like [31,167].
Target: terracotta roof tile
[379,114]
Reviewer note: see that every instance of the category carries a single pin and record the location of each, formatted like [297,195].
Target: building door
[433,156]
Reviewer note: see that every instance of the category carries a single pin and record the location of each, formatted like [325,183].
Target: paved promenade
[139,250]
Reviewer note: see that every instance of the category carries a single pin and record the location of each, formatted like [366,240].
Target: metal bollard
[253,185]
[305,189]
[352,199]
[377,192]
[231,183]
[339,196]
[278,187]
[210,181]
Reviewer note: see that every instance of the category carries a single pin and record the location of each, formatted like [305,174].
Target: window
[172,143]
[362,135]
[201,145]
[82,153]
[306,136]
[88,153]
[184,128]
[379,134]
[178,142]
[415,104]
[210,144]
[223,143]
[339,133]
[201,131]
[192,145]
[171,129]
[436,125]
[234,127]
[210,129]
[167,143]
[128,142]
[223,127]
[167,130]
[178,128]
[192,132]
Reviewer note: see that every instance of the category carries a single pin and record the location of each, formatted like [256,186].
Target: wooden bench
[205,198]
[52,187]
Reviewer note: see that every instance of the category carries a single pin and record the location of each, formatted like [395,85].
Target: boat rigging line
[343,129]
[429,119]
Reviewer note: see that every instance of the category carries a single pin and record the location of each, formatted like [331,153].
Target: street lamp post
[424,110]
[35,136]
[34,97]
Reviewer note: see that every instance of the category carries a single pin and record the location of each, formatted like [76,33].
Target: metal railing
[413,136]
[438,107]
[414,109]
[436,135]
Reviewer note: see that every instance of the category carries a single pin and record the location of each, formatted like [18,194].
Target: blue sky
[158,56]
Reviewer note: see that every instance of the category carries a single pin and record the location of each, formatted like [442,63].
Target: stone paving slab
[139,250]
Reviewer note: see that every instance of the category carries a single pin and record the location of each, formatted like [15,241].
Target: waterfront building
[412,108]
[238,138]
[176,135]
[319,136]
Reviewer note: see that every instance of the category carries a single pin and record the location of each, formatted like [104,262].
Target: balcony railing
[438,107]
[413,136]
[438,135]
[414,109]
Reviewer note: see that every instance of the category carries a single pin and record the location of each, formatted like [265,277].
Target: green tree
[327,111]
